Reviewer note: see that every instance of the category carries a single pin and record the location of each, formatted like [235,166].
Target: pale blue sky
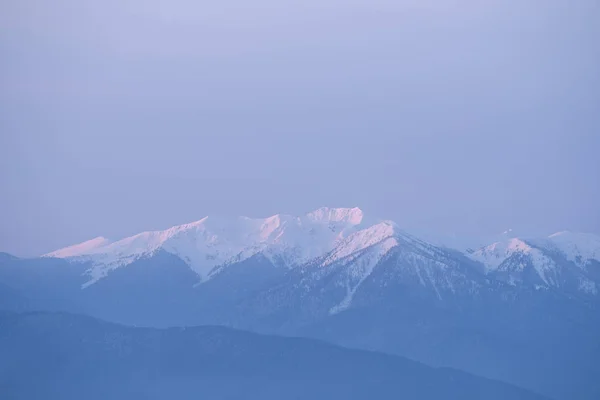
[463,117]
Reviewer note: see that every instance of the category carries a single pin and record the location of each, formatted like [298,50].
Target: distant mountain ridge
[207,246]
[521,310]
[562,259]
[78,357]
[213,242]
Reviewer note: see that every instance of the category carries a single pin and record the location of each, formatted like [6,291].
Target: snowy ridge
[360,240]
[363,251]
[361,268]
[340,236]
[212,242]
[579,248]
[494,255]
[81,249]
[547,256]
[351,216]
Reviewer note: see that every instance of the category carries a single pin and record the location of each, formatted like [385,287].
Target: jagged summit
[493,255]
[562,259]
[579,248]
[215,241]
[353,216]
[329,236]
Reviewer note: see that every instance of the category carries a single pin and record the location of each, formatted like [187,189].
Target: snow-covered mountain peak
[350,216]
[579,248]
[362,240]
[493,255]
[559,259]
[217,241]
[325,236]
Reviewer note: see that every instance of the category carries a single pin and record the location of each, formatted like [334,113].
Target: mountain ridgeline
[519,310]
[63,356]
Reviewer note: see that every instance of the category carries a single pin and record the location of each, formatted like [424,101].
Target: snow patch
[587,286]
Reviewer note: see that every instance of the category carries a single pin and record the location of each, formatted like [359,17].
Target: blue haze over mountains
[521,311]
[467,131]
[213,362]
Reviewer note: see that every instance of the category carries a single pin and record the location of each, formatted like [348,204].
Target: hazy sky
[119,116]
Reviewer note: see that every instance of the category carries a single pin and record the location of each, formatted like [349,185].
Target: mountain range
[209,362]
[519,310]
[330,235]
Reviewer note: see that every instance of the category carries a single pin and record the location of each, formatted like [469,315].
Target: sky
[455,117]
